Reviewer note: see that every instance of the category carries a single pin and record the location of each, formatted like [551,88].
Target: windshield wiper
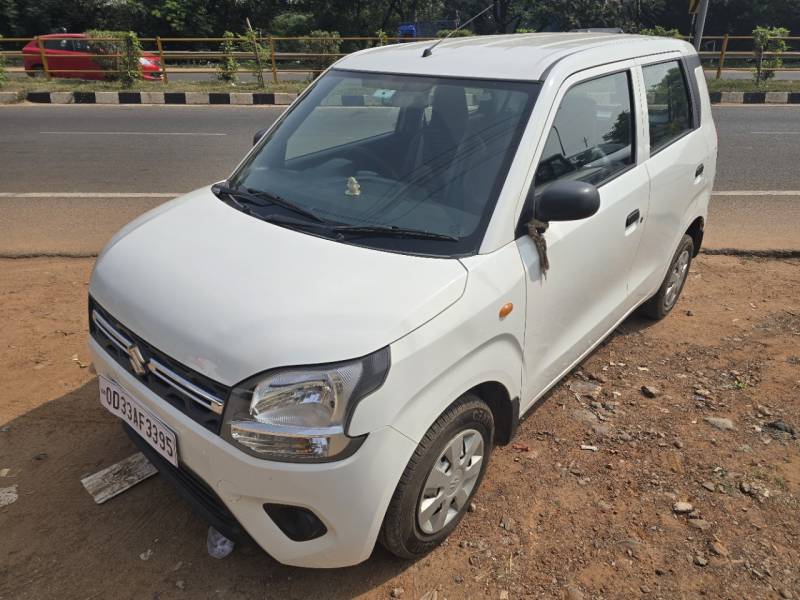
[393,231]
[262,198]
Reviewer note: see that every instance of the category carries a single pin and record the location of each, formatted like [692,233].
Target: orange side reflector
[506,309]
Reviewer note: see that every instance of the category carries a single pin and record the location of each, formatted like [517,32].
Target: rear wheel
[660,305]
[442,476]
[35,71]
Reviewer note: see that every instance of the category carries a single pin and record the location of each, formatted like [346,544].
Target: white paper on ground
[8,495]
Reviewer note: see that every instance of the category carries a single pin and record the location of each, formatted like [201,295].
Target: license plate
[121,403]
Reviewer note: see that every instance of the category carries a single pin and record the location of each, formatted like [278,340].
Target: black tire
[660,305]
[401,534]
[35,71]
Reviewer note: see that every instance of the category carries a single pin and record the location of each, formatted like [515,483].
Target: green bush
[322,42]
[249,42]
[459,33]
[660,31]
[768,39]
[228,66]
[2,67]
[118,54]
[383,37]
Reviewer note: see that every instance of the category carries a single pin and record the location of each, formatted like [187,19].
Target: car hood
[229,295]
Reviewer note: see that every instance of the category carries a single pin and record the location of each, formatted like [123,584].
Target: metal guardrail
[172,60]
[177,59]
[723,53]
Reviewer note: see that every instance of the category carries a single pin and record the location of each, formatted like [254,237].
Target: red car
[69,55]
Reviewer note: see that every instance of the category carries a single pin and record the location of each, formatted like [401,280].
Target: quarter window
[668,107]
[592,136]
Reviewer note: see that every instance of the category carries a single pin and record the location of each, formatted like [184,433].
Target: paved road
[71,175]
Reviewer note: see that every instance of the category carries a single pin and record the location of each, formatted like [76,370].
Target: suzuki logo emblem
[138,363]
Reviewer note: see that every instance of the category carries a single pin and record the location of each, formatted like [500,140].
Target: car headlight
[145,62]
[301,414]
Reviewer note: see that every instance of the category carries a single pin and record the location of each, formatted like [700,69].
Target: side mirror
[567,201]
[259,134]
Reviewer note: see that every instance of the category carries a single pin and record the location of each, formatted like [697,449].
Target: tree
[228,66]
[768,40]
[660,31]
[325,44]
[119,54]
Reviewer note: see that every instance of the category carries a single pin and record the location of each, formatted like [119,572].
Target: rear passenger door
[592,136]
[676,153]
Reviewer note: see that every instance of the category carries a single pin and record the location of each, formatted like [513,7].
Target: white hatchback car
[322,351]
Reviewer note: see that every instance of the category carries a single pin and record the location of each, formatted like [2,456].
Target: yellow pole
[43,56]
[722,52]
[272,56]
[161,56]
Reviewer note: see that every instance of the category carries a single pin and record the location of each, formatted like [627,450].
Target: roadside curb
[200,98]
[755,97]
[286,98]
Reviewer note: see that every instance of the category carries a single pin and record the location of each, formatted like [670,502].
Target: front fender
[464,346]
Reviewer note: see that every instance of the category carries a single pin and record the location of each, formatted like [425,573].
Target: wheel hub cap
[450,481]
[677,276]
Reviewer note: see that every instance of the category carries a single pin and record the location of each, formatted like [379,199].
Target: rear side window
[592,136]
[669,110]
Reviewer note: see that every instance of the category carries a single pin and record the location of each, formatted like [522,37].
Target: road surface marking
[89,195]
[129,133]
[756,193]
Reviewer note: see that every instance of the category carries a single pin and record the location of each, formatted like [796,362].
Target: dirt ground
[581,506]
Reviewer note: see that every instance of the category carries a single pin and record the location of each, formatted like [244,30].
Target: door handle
[699,170]
[632,218]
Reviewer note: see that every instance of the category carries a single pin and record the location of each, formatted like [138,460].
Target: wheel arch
[505,409]
[695,231]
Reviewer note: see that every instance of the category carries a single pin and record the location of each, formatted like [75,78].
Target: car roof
[524,56]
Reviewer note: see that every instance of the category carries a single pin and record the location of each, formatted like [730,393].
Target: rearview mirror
[567,201]
[259,134]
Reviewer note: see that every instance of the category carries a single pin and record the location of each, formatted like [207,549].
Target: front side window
[668,107]
[56,44]
[592,136]
[393,152]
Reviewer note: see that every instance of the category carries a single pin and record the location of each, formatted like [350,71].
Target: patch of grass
[66,85]
[748,85]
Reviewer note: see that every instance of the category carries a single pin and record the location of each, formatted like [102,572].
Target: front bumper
[349,496]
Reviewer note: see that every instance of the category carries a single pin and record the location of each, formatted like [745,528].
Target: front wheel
[660,305]
[440,479]
[35,71]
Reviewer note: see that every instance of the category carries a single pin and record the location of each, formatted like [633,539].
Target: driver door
[593,135]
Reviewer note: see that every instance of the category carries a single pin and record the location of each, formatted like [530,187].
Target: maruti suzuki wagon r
[322,350]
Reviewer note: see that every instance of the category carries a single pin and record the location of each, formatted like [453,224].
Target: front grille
[200,398]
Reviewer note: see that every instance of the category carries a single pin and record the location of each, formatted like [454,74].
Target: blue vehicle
[425,29]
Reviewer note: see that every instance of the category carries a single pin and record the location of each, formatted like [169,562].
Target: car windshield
[399,162]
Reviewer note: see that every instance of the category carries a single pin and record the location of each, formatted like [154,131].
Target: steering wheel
[380,164]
